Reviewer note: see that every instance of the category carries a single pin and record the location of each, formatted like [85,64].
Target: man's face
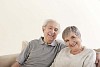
[51,32]
[73,41]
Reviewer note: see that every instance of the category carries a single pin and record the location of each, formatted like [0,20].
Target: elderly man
[41,52]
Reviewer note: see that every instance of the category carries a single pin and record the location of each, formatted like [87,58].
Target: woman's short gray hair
[70,29]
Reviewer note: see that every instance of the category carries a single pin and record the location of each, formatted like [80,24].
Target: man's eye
[56,29]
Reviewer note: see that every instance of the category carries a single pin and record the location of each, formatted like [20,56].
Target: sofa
[8,60]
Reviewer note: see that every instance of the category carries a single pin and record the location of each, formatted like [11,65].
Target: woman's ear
[81,39]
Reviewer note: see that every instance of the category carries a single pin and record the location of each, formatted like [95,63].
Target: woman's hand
[98,59]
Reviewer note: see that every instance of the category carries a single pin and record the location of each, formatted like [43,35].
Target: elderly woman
[75,55]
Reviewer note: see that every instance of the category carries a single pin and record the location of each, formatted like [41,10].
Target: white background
[22,20]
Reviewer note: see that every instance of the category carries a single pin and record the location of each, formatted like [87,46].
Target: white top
[86,58]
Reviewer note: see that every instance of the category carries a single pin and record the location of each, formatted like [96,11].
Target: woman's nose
[71,42]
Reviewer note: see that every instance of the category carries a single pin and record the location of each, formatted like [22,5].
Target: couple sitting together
[49,52]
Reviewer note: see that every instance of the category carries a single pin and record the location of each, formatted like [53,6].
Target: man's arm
[23,55]
[16,64]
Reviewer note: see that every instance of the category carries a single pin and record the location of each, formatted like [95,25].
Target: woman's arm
[90,59]
[97,59]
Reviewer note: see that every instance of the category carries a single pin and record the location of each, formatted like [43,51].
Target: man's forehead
[52,24]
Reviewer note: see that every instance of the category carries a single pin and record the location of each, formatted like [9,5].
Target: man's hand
[16,64]
[98,59]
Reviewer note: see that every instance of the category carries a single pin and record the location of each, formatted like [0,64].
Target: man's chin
[51,40]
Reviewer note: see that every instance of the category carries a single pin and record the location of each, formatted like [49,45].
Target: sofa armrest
[97,50]
[7,60]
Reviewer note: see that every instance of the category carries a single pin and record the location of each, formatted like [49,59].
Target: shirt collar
[42,42]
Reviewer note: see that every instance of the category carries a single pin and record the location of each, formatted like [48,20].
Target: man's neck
[47,41]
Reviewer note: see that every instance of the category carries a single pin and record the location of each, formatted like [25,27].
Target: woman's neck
[74,52]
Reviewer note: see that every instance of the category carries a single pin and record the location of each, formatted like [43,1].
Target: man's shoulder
[60,41]
[34,40]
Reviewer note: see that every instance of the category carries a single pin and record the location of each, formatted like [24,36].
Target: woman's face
[73,41]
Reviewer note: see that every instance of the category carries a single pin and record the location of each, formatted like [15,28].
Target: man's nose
[53,31]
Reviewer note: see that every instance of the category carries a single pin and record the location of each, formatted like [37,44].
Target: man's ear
[43,29]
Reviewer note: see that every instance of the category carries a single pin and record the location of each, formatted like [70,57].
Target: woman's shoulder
[89,50]
[66,49]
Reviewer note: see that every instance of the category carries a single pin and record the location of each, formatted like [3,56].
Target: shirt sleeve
[90,59]
[24,54]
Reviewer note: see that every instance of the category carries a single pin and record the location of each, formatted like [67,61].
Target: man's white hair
[49,21]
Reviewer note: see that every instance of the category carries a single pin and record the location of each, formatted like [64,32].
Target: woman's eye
[66,40]
[72,37]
